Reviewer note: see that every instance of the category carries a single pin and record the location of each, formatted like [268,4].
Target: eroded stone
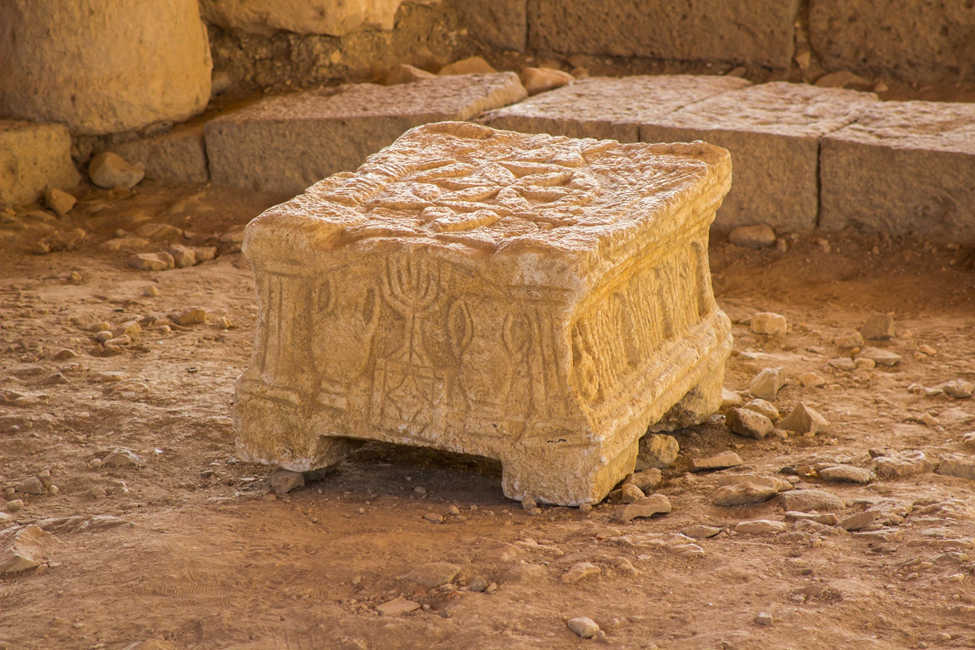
[32,158]
[464,290]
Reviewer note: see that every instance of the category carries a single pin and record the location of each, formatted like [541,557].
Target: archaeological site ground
[512,324]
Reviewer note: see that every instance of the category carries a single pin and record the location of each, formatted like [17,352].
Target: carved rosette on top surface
[534,299]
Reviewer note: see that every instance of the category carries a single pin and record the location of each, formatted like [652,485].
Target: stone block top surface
[777,108]
[934,126]
[480,191]
[623,100]
[458,97]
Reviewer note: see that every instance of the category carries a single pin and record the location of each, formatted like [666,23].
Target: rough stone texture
[696,407]
[806,500]
[960,465]
[742,494]
[915,40]
[470,65]
[657,451]
[845,473]
[921,161]
[607,108]
[482,292]
[656,504]
[763,407]
[180,155]
[767,384]
[760,527]
[103,66]
[405,74]
[759,32]
[32,157]
[499,24]
[804,419]
[540,80]
[769,323]
[287,143]
[878,327]
[110,170]
[724,460]
[24,548]
[748,423]
[773,132]
[328,17]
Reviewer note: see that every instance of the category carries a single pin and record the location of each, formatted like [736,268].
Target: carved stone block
[529,298]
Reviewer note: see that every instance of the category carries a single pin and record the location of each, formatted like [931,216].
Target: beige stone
[470,65]
[32,158]
[328,17]
[103,66]
[405,73]
[24,548]
[539,80]
[804,419]
[482,292]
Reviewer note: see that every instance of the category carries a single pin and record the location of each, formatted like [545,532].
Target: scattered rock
[844,79]
[769,323]
[761,236]
[284,481]
[748,423]
[24,548]
[185,256]
[192,316]
[477,584]
[760,527]
[850,341]
[131,328]
[767,383]
[859,521]
[843,363]
[879,327]
[583,627]
[470,65]
[742,494]
[864,364]
[968,439]
[109,170]
[59,201]
[899,464]
[956,465]
[927,350]
[220,82]
[32,485]
[579,571]
[845,474]
[880,357]
[150,292]
[805,420]
[152,261]
[701,531]
[958,389]
[764,618]
[657,451]
[528,503]
[405,73]
[811,380]
[397,607]
[631,493]
[763,407]
[724,460]
[645,507]
[433,574]
[122,458]
[539,80]
[14,505]
[433,518]
[730,398]
[777,484]
[79,523]
[646,480]
[806,500]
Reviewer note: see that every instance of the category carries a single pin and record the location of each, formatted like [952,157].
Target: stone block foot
[697,406]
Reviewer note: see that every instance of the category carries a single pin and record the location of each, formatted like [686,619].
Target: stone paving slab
[759,32]
[180,155]
[608,108]
[773,132]
[534,299]
[903,167]
[33,156]
[285,144]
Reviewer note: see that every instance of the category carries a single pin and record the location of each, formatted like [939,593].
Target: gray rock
[748,423]
[880,357]
[724,460]
[804,419]
[109,170]
[764,618]
[433,574]
[477,584]
[657,451]
[122,458]
[957,465]
[760,527]
[583,627]
[528,503]
[845,474]
[767,383]
[284,481]
[958,389]
[878,327]
[806,500]
[763,407]
[645,507]
[742,494]
[761,236]
[32,485]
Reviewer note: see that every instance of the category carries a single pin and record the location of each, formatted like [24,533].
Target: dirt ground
[206,557]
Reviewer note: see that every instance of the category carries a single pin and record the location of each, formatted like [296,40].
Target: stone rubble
[742,494]
[878,327]
[760,236]
[657,451]
[724,460]
[109,170]
[748,423]
[959,465]
[769,323]
[804,420]
[767,384]
[540,80]
[642,508]
[763,407]
[24,548]
[283,481]
[583,627]
[880,357]
[806,500]
[760,527]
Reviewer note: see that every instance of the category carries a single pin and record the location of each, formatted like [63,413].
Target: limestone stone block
[529,298]
[499,24]
[607,108]
[179,155]
[758,32]
[903,167]
[32,157]
[914,40]
[103,66]
[328,17]
[284,144]
[773,132]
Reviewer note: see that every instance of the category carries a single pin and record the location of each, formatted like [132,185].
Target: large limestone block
[500,24]
[328,17]
[903,167]
[179,155]
[773,132]
[915,40]
[529,298]
[759,32]
[606,108]
[284,144]
[103,66]
[33,156]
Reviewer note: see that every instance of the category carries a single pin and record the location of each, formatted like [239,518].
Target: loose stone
[192,316]
[579,571]
[433,574]
[32,485]
[583,627]
[859,521]
[769,323]
[645,507]
[646,480]
[15,505]
[927,350]
[843,363]
[850,341]
[284,481]
[806,500]
[767,383]
[761,236]
[730,398]
[539,80]
[110,170]
[405,73]
[528,503]
[742,494]
[845,474]
[880,357]
[804,419]
[433,518]
[470,65]
[122,458]
[397,607]
[900,464]
[59,201]
[152,261]
[811,380]
[748,423]
[701,531]
[477,584]
[760,527]
[764,618]
[24,548]
[957,465]
[768,481]
[958,389]
[657,451]
[878,327]
[631,493]
[724,460]
[763,407]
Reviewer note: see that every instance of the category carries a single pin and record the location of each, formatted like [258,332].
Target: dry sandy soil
[207,558]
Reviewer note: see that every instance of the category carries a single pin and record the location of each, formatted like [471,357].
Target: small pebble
[15,505]
[583,626]
[764,619]
[454,510]
[150,292]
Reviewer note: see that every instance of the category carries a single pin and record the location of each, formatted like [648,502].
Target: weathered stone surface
[646,480]
[179,155]
[748,423]
[957,465]
[769,323]
[880,357]
[877,327]
[758,236]
[767,384]
[406,74]
[657,450]
[32,157]
[742,494]
[760,527]
[921,159]
[284,481]
[773,132]
[109,170]
[806,500]
[741,31]
[845,474]
[696,407]
[768,481]
[328,17]
[284,144]
[102,66]
[655,504]
[468,294]
[579,571]
[724,460]
[915,40]
[59,201]
[763,407]
[24,548]
[397,607]
[433,574]
[804,419]
[499,24]
[151,261]
[540,80]
[582,626]
[859,521]
[608,108]
[958,389]
[470,65]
